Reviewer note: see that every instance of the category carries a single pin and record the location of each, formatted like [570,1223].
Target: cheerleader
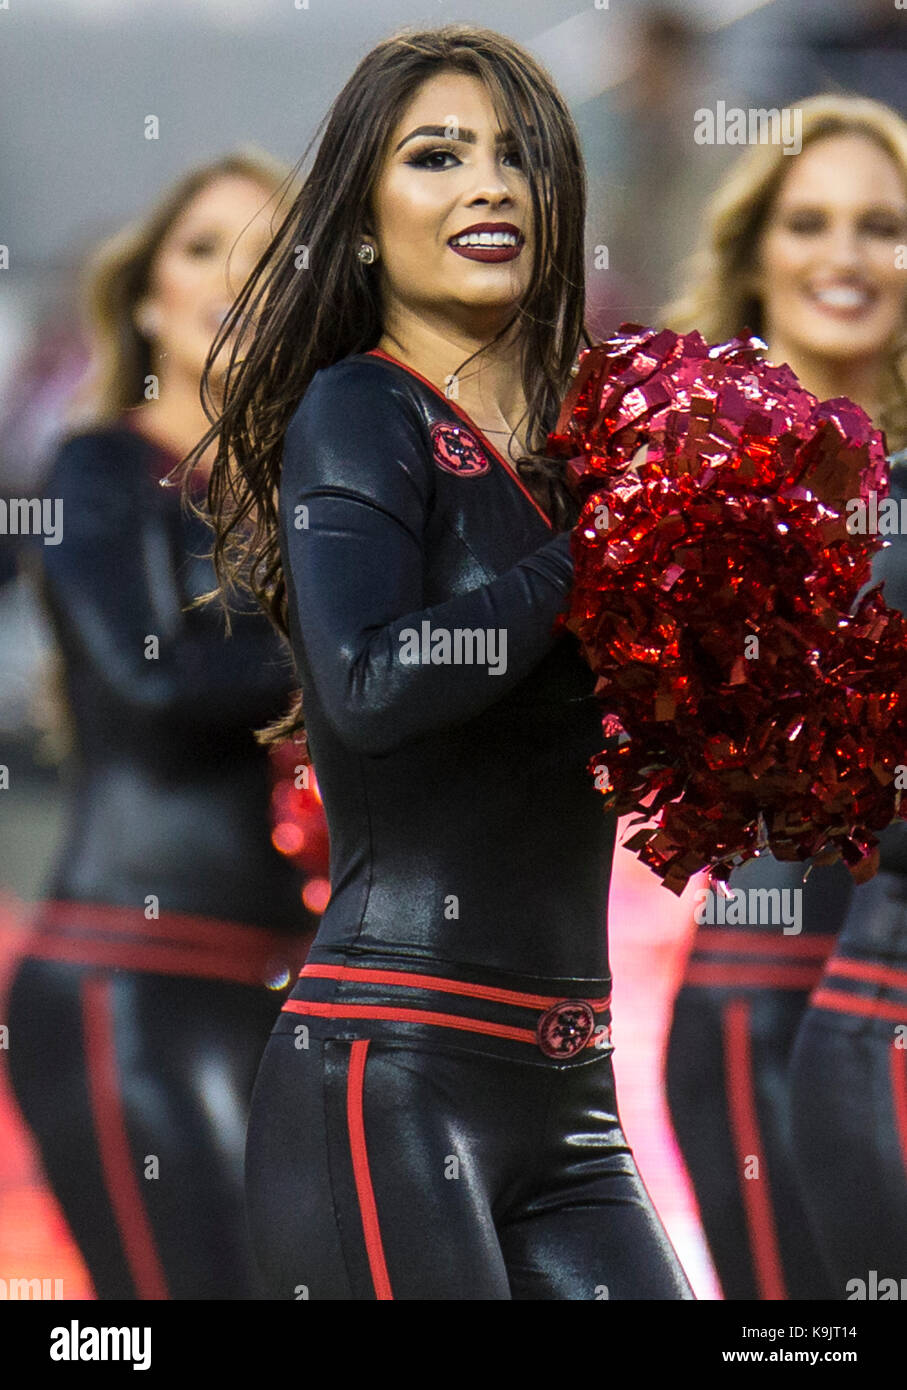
[434,1116]
[171,925]
[803,251]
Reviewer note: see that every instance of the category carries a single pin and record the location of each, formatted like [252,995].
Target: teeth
[485,239]
[842,297]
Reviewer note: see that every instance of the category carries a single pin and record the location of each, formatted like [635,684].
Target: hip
[541,1020]
[119,938]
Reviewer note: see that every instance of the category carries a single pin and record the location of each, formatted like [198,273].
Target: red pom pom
[749,704]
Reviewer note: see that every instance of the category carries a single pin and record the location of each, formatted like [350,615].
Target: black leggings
[849,1083]
[393,1159]
[136,1087]
[729,1097]
[746,987]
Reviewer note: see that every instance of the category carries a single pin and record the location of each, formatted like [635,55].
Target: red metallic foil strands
[750,702]
[298,824]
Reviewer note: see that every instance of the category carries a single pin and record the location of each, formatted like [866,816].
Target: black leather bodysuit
[171,925]
[438,1091]
[171,790]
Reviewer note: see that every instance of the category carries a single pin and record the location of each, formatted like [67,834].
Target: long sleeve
[354,501]
[117,579]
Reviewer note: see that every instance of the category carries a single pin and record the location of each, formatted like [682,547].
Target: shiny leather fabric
[489,1178]
[112,1067]
[421,1143]
[735,1019]
[170,791]
[464,823]
[134,1036]
[849,1093]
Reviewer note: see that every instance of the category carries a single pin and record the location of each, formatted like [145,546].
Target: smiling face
[191,286]
[450,170]
[828,275]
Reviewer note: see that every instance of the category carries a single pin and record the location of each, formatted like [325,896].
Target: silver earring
[367,253]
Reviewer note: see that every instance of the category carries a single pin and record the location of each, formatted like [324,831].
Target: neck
[176,420]
[489,389]
[858,378]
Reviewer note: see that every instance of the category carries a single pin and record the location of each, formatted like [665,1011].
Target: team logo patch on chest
[457,451]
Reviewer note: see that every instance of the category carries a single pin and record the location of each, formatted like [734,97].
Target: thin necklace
[509,432]
[511,435]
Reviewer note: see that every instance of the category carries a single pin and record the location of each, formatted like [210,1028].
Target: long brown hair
[310,301]
[719,298]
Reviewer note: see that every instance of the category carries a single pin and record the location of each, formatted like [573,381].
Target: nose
[492,185]
[844,246]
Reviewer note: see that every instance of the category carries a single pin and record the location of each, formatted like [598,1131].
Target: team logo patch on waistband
[458,451]
[566,1028]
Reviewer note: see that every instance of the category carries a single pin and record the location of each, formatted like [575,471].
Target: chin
[505,300]
[841,342]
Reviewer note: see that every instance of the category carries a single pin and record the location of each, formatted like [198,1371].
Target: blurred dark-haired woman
[171,926]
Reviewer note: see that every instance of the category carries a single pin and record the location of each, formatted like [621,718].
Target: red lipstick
[507,251]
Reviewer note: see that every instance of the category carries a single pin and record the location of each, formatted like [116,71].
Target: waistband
[174,943]
[863,988]
[561,1025]
[731,959]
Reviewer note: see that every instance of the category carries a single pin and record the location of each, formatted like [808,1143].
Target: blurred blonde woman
[171,924]
[800,1170]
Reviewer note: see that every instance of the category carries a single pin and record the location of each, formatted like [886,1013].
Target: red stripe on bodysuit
[113,1144]
[757,1202]
[362,1173]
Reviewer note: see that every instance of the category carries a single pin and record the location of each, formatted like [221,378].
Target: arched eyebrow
[468,137]
[802,203]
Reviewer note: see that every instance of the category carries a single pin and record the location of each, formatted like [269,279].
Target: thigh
[608,1243]
[850,1143]
[137,1087]
[50,1078]
[728,1088]
[371,1169]
[589,1230]
[187,1051]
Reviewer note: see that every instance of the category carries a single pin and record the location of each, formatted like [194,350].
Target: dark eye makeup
[879,222]
[421,159]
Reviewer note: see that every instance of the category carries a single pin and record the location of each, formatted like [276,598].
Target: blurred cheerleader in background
[799,1172]
[171,925]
